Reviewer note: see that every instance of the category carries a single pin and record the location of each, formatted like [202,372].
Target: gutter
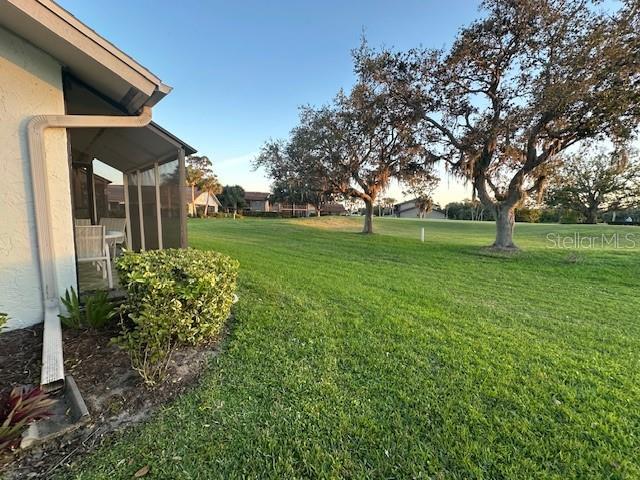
[52,374]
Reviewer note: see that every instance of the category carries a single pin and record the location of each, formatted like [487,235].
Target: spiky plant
[18,409]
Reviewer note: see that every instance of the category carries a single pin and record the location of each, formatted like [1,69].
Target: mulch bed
[114,393]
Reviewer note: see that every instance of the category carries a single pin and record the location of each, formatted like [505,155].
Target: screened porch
[140,205]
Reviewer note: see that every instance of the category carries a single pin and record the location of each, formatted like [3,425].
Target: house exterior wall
[201,201]
[415,213]
[259,205]
[30,84]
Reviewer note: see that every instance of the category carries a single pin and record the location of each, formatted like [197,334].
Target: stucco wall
[30,84]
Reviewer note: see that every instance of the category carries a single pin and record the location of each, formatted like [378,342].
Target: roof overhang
[126,149]
[83,52]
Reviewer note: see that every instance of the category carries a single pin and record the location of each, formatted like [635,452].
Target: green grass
[384,357]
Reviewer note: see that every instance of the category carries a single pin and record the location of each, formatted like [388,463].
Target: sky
[241,69]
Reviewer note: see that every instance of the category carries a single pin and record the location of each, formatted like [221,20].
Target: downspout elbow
[52,375]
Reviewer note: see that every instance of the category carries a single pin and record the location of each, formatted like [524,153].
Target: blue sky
[240,69]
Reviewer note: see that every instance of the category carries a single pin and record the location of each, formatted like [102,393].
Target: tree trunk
[206,207]
[592,216]
[368,217]
[505,222]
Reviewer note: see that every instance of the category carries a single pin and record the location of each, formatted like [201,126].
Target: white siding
[30,84]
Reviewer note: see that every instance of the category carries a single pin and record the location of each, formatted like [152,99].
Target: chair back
[112,224]
[90,242]
[82,221]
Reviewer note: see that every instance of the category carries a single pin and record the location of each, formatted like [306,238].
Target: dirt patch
[20,352]
[112,390]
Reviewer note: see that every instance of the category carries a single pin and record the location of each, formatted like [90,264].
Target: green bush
[175,296]
[264,214]
[528,215]
[549,215]
[4,318]
[96,313]
[570,217]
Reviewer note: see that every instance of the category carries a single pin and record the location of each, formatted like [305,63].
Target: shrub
[528,215]
[4,318]
[97,311]
[264,214]
[175,296]
[570,216]
[549,215]
[20,407]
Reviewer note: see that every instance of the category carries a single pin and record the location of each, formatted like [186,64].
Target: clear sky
[240,69]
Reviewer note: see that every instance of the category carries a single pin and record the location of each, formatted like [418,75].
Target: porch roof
[126,149]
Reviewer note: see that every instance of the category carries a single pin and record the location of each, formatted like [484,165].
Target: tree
[388,203]
[198,167]
[468,210]
[421,188]
[363,140]
[517,88]
[595,183]
[232,197]
[211,186]
[295,180]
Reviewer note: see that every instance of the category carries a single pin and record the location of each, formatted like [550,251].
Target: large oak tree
[518,87]
[363,140]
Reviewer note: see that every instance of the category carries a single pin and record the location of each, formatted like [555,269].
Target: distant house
[115,200]
[257,201]
[408,209]
[89,192]
[334,209]
[201,199]
[294,209]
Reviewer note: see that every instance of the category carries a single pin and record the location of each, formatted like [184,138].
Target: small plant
[73,319]
[4,318]
[18,409]
[97,311]
[174,296]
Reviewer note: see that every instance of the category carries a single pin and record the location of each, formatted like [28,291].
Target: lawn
[383,357]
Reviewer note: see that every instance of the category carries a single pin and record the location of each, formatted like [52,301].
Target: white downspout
[52,375]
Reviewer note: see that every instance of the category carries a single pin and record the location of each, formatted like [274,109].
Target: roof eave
[80,49]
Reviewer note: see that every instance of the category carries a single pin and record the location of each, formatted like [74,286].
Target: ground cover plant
[380,356]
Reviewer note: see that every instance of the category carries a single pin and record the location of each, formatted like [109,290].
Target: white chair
[113,225]
[92,247]
[84,222]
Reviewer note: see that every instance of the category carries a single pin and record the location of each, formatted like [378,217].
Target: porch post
[91,193]
[127,213]
[158,209]
[183,201]
[140,211]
